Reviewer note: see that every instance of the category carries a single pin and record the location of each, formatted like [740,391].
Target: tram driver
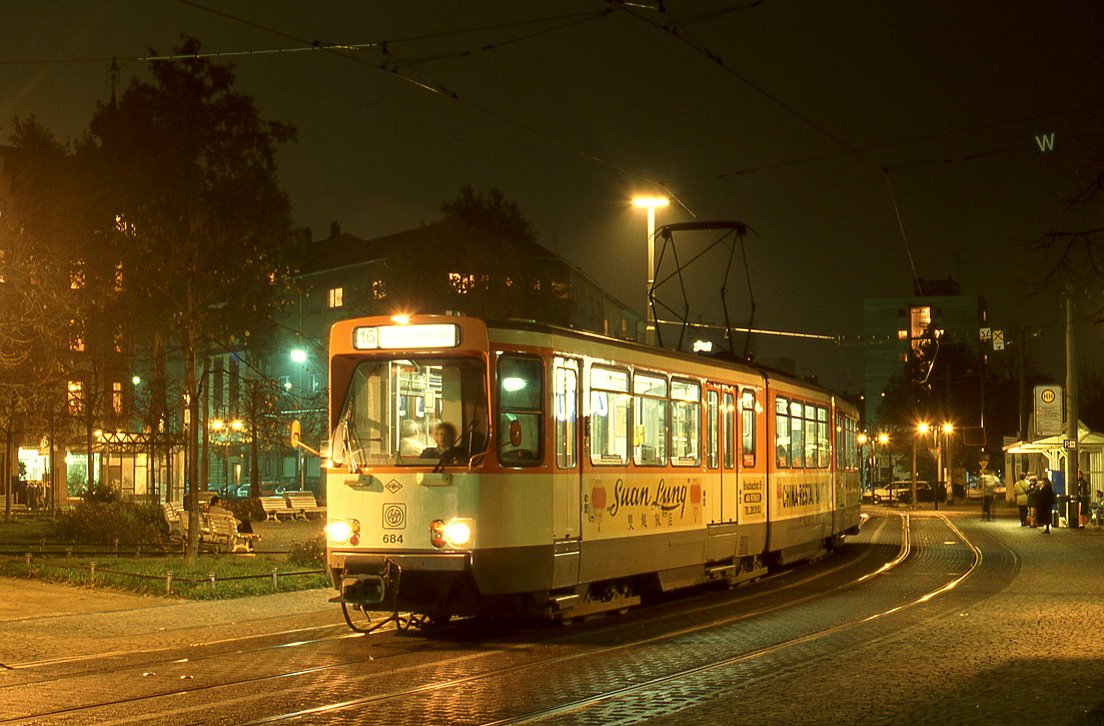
[444,437]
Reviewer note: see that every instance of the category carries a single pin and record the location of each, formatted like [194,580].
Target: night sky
[806,120]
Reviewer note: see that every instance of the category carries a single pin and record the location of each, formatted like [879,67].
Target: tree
[1076,248]
[201,225]
[33,327]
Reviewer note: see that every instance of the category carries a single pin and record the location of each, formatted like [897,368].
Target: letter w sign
[1045,142]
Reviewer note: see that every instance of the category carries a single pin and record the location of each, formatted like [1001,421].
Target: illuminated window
[610,406]
[712,444]
[76,337]
[76,397]
[747,426]
[685,423]
[902,335]
[520,411]
[76,277]
[118,340]
[782,432]
[919,321]
[650,424]
[118,277]
[379,291]
[117,398]
[797,434]
[566,383]
[337,297]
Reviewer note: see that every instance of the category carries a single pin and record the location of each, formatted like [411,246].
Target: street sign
[986,334]
[1068,444]
[1048,410]
[998,340]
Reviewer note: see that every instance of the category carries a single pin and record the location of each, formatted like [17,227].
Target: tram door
[567,477]
[730,501]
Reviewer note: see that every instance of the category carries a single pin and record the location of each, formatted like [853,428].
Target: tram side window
[841,439]
[650,421]
[729,431]
[566,394]
[610,406]
[685,423]
[520,411]
[747,423]
[822,437]
[797,435]
[810,436]
[782,432]
[711,443]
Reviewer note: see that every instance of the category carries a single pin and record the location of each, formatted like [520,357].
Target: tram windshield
[413,412]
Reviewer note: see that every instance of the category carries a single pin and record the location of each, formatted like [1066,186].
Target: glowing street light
[298,355]
[650,203]
[922,429]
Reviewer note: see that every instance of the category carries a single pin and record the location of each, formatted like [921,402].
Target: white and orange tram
[518,468]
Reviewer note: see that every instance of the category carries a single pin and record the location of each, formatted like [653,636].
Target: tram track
[902,553]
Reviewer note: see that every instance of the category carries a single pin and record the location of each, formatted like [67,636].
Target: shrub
[98,522]
[246,509]
[308,553]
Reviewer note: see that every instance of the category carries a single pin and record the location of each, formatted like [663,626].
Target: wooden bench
[276,507]
[222,532]
[177,519]
[304,505]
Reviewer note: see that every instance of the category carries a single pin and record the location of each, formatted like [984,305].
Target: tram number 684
[392,539]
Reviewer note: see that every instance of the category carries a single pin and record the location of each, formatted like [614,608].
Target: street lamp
[883,439]
[922,429]
[861,439]
[947,429]
[650,203]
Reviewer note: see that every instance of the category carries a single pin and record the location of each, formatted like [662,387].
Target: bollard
[168,582]
[275,584]
[91,574]
[211,577]
[116,548]
[28,556]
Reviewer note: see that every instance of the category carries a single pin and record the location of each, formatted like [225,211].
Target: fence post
[116,548]
[168,582]
[69,552]
[275,584]
[211,577]
[91,574]
[42,545]
[28,556]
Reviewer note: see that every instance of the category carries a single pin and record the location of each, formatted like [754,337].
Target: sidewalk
[40,621]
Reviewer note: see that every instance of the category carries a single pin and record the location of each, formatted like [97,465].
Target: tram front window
[396,410]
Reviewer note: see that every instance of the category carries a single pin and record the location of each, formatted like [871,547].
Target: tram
[516,468]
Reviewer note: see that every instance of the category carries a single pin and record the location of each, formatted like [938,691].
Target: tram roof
[729,362]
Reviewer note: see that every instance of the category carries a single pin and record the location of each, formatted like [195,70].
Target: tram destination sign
[1048,410]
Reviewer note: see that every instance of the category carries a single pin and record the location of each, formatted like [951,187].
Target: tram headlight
[342,531]
[458,532]
[453,533]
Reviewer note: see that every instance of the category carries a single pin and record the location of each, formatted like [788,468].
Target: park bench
[276,507]
[218,530]
[222,532]
[304,505]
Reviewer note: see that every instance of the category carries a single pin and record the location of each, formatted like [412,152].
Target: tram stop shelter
[1050,452]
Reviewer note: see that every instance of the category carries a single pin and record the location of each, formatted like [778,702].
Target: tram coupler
[362,590]
[372,588]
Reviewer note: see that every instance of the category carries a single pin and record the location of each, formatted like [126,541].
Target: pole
[1071,412]
[650,331]
[939,480]
[914,470]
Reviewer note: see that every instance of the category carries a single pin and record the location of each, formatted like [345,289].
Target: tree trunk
[191,423]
